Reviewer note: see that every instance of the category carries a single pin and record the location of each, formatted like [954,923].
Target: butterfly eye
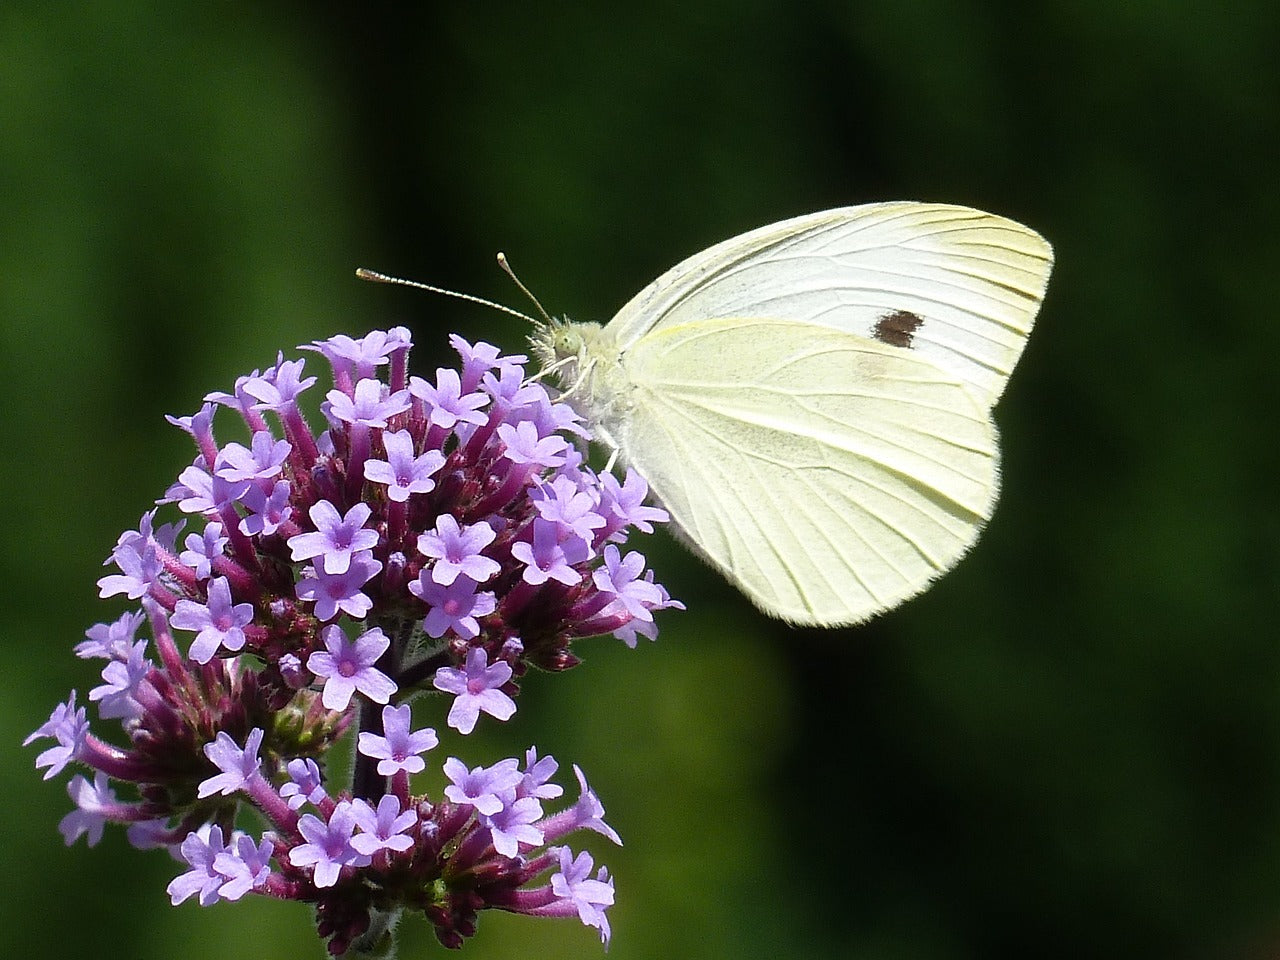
[568,343]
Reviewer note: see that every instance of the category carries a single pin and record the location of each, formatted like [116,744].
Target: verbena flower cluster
[437,536]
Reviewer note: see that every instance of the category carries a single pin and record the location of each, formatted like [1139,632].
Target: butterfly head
[559,343]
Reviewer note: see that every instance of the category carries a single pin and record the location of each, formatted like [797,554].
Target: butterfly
[812,401]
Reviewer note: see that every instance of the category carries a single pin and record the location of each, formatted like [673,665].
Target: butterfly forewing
[972,280]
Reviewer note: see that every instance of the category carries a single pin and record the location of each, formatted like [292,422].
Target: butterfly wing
[958,286]
[827,475]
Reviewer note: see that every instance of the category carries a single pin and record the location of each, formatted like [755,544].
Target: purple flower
[513,825]
[139,565]
[478,540]
[328,847]
[402,472]
[626,503]
[588,811]
[204,548]
[123,677]
[479,359]
[563,502]
[264,461]
[454,607]
[68,725]
[336,538]
[486,788]
[111,640]
[200,492]
[573,883]
[384,828]
[266,513]
[340,591]
[244,865]
[368,407]
[94,803]
[218,622]
[549,558]
[237,765]
[456,550]
[445,402]
[280,387]
[306,785]
[476,688]
[239,401]
[398,748]
[525,445]
[621,577]
[200,851]
[348,666]
[199,424]
[536,781]
[363,355]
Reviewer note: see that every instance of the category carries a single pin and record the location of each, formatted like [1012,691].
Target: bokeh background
[1069,747]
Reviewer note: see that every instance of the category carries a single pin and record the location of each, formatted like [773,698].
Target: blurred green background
[1070,747]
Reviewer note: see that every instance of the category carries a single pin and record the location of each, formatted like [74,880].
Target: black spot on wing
[896,328]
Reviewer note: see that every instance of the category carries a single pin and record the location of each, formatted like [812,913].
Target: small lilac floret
[347,666]
[536,781]
[445,402]
[200,492]
[362,355]
[574,884]
[550,558]
[266,512]
[218,622]
[279,387]
[485,788]
[264,460]
[328,848]
[335,593]
[402,472]
[398,748]
[200,851]
[111,640]
[306,784]
[244,865]
[139,564]
[524,445]
[621,576]
[337,538]
[237,765]
[625,502]
[368,407]
[199,425]
[476,688]
[69,726]
[457,550]
[383,828]
[204,548]
[455,607]
[563,502]
[588,811]
[94,802]
[115,698]
[513,825]
[480,358]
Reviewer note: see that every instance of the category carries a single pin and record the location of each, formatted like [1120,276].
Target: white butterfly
[811,401]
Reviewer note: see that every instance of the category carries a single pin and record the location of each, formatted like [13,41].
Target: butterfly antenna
[375,277]
[502,262]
